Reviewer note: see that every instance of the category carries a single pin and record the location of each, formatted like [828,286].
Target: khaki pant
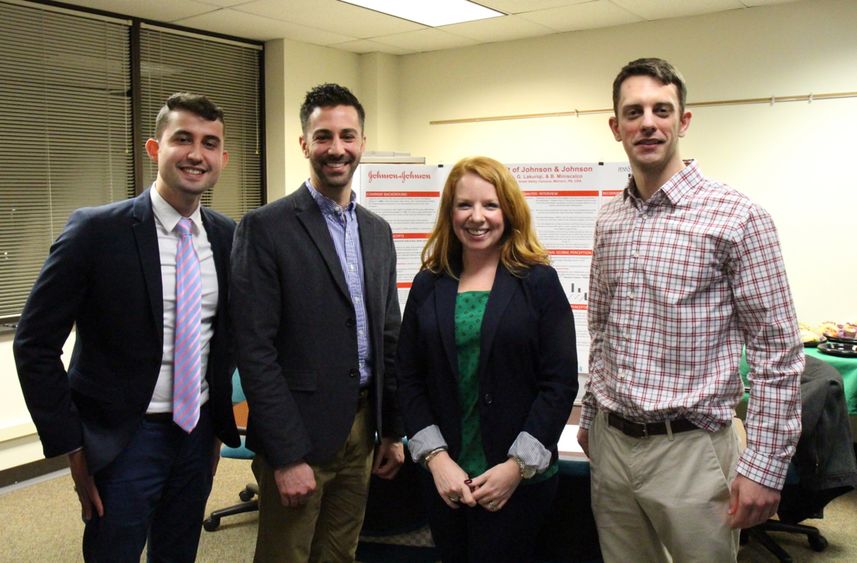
[662,499]
[326,529]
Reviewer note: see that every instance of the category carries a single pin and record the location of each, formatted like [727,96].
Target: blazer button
[488,399]
[349,323]
[353,372]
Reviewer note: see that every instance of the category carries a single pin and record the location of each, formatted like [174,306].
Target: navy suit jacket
[103,276]
[295,336]
[527,362]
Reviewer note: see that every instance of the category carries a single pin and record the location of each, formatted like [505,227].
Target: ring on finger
[453,498]
[492,505]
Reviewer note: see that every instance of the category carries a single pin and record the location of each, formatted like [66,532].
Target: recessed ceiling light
[434,13]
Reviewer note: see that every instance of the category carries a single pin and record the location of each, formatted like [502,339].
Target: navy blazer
[527,362]
[103,275]
[295,336]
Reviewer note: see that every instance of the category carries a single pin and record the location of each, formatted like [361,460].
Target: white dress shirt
[166,219]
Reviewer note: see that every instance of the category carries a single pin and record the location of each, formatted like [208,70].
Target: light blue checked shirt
[343,228]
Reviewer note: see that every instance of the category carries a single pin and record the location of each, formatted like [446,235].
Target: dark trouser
[155,490]
[475,535]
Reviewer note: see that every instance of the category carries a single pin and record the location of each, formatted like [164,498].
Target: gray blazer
[295,335]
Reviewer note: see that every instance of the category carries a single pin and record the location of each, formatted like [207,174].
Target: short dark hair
[659,69]
[185,101]
[326,96]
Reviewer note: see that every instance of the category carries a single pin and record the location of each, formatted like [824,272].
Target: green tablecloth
[846,366]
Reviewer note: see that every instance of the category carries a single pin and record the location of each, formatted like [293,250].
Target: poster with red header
[407,196]
[564,199]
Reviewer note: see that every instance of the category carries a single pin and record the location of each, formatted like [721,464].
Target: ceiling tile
[582,16]
[523,6]
[751,3]
[661,9]
[334,16]
[425,40]
[158,10]
[369,46]
[239,24]
[506,28]
[225,3]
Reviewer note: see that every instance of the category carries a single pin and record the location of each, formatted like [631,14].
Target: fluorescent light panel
[434,13]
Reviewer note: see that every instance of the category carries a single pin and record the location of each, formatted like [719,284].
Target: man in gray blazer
[316,319]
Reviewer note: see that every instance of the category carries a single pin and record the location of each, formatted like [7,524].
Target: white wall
[19,443]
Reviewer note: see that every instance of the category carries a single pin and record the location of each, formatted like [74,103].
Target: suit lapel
[445,295]
[218,248]
[502,291]
[310,216]
[150,258]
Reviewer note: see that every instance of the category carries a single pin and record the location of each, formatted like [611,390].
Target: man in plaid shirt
[685,271]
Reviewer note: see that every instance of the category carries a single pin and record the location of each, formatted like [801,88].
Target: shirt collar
[167,215]
[327,205]
[673,189]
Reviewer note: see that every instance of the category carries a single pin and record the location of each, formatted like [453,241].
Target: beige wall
[794,158]
[291,69]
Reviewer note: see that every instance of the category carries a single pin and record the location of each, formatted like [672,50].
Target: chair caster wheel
[211,524]
[817,543]
[246,495]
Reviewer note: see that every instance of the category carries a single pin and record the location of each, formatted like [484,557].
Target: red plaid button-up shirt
[679,283]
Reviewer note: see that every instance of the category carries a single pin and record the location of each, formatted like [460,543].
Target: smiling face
[333,142]
[189,154]
[649,123]
[477,219]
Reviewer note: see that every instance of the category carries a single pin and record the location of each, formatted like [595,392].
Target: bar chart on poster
[564,199]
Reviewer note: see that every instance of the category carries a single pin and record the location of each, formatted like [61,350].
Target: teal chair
[249,495]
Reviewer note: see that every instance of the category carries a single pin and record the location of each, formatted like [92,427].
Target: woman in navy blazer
[486,368]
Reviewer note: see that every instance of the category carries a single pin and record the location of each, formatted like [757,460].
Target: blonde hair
[521,248]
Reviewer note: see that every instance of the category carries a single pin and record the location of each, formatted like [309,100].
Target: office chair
[823,466]
[249,494]
[760,533]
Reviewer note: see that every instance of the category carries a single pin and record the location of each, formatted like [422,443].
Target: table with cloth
[847,367]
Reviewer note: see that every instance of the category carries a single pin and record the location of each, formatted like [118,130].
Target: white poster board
[407,196]
[564,199]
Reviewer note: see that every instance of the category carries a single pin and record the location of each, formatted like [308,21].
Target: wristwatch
[527,472]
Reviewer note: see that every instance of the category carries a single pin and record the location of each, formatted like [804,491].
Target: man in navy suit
[111,273]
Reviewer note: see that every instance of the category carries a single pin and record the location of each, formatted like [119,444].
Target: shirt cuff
[762,469]
[529,450]
[587,415]
[424,441]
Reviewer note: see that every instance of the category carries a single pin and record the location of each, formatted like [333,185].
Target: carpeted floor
[41,522]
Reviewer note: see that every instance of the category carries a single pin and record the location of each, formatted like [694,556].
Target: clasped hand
[490,490]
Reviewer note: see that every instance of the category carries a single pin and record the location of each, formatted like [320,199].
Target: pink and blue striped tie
[186,351]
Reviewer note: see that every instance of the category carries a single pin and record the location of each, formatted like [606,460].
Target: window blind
[65,132]
[228,73]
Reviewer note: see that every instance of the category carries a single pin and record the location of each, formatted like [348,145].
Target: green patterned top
[469,310]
